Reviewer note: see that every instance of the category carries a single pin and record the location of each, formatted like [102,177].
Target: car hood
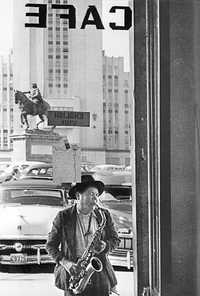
[26,220]
[121,212]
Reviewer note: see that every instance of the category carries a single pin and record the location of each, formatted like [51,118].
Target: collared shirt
[82,238]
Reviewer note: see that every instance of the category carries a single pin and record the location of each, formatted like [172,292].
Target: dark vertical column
[178,160]
[183,160]
[140,70]
[165,160]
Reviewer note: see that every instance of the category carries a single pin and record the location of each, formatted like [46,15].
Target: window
[50,84]
[115,80]
[65,85]
[65,71]
[58,56]
[126,83]
[50,42]
[57,42]
[50,56]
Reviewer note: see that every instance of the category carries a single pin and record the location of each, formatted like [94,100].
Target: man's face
[88,198]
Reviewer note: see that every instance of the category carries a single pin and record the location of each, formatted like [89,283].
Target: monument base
[34,145]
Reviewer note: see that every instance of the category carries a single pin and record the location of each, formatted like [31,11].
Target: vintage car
[27,209]
[38,171]
[117,198]
[14,170]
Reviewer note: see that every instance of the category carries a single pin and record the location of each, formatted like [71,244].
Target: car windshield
[31,197]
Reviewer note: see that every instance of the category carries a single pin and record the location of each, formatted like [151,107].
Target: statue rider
[35,96]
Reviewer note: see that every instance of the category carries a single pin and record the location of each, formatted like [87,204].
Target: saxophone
[88,263]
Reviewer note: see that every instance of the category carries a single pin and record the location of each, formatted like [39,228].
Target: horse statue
[27,107]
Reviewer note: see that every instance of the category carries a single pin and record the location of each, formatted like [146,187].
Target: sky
[115,43]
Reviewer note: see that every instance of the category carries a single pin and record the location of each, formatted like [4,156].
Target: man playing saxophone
[79,231]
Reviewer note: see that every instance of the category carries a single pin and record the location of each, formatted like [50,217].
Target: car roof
[24,183]
[40,166]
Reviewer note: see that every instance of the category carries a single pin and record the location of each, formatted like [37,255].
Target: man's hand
[74,270]
[100,247]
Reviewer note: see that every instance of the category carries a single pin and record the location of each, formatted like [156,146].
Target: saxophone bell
[95,265]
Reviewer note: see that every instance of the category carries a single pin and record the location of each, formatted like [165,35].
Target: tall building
[6,101]
[67,66]
[116,110]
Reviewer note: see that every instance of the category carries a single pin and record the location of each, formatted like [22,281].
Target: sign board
[68,118]
[66,165]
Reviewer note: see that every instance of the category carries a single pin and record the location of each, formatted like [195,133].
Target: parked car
[27,209]
[15,169]
[38,171]
[118,199]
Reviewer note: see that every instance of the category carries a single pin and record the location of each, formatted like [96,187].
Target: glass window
[32,196]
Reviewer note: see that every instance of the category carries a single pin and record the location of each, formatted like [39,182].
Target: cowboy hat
[86,181]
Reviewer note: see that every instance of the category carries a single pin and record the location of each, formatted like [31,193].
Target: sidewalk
[43,284]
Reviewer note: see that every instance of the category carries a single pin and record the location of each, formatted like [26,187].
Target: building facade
[116,110]
[6,102]
[67,66]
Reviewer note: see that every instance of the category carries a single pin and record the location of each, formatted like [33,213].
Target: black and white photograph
[100,147]
[65,155]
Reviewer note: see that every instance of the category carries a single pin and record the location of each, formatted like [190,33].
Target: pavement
[42,284]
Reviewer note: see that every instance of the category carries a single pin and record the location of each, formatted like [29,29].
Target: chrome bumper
[123,258]
[32,259]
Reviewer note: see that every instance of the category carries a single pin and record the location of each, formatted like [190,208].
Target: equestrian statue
[35,105]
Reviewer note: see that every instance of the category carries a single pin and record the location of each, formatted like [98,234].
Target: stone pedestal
[34,145]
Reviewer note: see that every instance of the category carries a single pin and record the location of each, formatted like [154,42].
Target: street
[33,284]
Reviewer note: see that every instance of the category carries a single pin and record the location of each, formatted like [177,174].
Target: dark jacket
[63,234]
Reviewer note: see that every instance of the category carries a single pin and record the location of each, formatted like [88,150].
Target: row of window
[5,88]
[58,42]
[5,75]
[111,131]
[116,111]
[65,85]
[58,71]
[116,105]
[58,56]
[58,1]
[58,28]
